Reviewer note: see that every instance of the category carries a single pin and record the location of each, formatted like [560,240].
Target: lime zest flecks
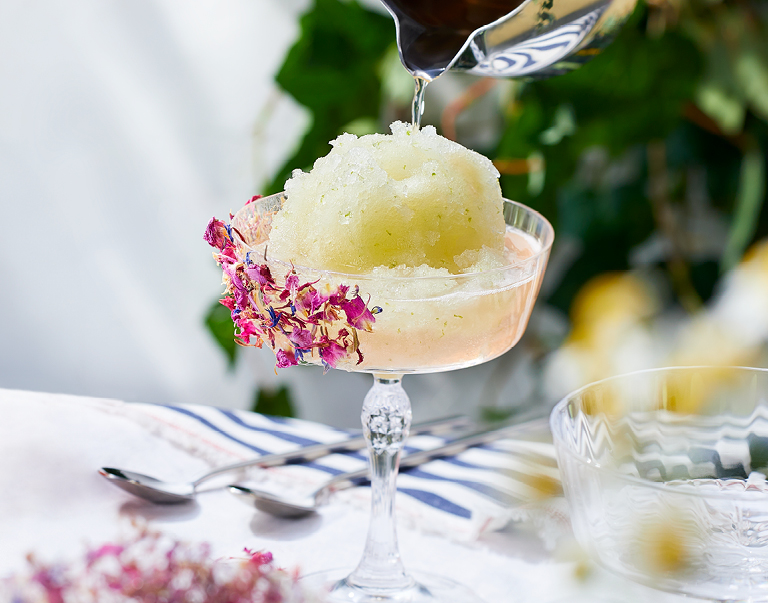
[297,320]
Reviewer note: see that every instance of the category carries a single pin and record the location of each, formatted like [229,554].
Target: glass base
[428,588]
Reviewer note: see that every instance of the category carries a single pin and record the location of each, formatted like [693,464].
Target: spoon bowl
[149,488]
[273,504]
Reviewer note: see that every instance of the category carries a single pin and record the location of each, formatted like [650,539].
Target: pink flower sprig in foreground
[150,568]
[297,320]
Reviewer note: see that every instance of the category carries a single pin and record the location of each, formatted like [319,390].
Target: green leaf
[220,325]
[274,402]
[333,70]
[564,124]
[492,414]
[727,110]
[361,126]
[749,202]
[752,74]
[631,93]
[537,176]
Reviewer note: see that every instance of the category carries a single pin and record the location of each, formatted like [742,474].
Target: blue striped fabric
[475,488]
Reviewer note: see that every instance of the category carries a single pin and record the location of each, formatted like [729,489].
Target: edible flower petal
[331,353]
[296,319]
[216,234]
[358,315]
[301,339]
[247,329]
[285,358]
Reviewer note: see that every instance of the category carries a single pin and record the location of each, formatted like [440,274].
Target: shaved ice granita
[392,255]
[411,199]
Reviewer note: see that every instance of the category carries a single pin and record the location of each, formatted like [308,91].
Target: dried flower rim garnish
[297,320]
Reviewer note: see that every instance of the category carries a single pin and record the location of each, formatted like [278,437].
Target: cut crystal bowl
[664,472]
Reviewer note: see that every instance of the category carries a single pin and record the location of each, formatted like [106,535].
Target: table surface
[53,502]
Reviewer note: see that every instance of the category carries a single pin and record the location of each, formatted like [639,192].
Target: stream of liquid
[417,109]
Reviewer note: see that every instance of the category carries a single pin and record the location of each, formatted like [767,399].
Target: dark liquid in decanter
[433,31]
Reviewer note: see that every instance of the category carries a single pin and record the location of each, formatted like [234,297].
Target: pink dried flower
[227,255]
[331,353]
[107,549]
[261,274]
[216,234]
[246,330]
[358,314]
[150,568]
[258,557]
[285,358]
[292,283]
[338,296]
[239,292]
[301,339]
[309,300]
[295,319]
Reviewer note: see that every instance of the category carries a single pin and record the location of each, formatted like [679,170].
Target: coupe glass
[664,472]
[427,324]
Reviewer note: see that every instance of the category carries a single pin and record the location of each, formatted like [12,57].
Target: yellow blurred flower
[543,486]
[609,333]
[756,259]
[606,305]
[668,544]
[617,327]
[707,341]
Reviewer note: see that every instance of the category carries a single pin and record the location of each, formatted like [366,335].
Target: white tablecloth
[53,502]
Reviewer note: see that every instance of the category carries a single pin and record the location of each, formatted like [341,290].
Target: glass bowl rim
[548,240]
[555,426]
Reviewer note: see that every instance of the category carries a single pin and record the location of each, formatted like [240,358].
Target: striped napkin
[461,497]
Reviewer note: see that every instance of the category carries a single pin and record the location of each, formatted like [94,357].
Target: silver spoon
[158,491]
[282,506]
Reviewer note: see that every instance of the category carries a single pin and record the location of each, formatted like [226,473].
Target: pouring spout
[503,38]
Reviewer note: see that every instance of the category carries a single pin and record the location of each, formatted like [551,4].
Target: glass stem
[386,421]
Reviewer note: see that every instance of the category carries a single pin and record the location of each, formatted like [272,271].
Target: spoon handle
[353,478]
[310,453]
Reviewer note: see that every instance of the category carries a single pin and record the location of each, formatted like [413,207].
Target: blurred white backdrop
[124,126]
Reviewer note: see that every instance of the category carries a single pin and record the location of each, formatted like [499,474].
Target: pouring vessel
[503,38]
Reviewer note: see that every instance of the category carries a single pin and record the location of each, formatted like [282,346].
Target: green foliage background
[651,155]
